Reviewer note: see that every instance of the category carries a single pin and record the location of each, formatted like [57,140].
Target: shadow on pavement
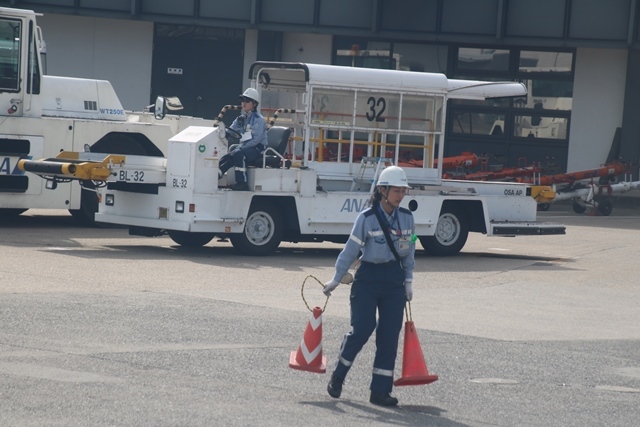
[410,415]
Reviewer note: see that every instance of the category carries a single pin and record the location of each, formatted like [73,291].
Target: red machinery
[591,188]
[610,170]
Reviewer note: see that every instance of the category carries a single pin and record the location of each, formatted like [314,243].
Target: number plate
[131,176]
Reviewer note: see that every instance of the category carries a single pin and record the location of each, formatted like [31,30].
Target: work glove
[408,289]
[329,286]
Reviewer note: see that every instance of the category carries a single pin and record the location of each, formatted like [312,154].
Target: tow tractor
[41,115]
[365,116]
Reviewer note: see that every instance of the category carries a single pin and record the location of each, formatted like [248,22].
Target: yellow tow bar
[67,165]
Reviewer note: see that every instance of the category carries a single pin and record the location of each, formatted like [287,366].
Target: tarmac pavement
[101,328]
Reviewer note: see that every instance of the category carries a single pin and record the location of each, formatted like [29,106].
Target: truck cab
[20,64]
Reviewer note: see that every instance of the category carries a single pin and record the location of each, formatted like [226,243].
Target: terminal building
[579,59]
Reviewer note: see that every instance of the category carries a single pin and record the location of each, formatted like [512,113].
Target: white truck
[42,115]
[342,127]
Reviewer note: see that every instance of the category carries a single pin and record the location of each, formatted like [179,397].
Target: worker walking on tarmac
[384,233]
[252,130]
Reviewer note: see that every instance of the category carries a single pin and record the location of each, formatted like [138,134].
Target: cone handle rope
[407,312]
[302,293]
[414,368]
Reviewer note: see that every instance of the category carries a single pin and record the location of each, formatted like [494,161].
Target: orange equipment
[464,160]
[414,368]
[612,169]
[506,174]
[309,355]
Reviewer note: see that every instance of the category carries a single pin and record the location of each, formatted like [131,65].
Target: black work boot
[335,386]
[240,186]
[382,399]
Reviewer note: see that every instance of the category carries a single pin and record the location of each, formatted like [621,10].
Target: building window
[545,62]
[532,129]
[362,52]
[477,123]
[365,54]
[483,59]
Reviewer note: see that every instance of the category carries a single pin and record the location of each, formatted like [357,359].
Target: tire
[262,233]
[110,144]
[190,240]
[605,206]
[578,208]
[11,213]
[88,205]
[544,206]
[451,234]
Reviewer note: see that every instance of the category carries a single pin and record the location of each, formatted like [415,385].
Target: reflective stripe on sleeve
[355,239]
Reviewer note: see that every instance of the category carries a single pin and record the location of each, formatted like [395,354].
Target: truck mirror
[160,108]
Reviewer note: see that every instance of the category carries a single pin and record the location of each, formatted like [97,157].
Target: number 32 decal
[381,104]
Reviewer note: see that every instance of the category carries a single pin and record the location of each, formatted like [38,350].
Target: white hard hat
[393,176]
[251,93]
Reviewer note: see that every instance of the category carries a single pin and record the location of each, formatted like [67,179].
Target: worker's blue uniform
[249,150]
[378,285]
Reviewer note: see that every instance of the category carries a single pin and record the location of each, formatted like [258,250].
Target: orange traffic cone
[309,355]
[414,369]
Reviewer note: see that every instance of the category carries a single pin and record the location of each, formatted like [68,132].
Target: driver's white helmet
[393,176]
[252,94]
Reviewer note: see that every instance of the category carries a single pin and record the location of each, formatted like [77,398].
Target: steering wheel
[232,133]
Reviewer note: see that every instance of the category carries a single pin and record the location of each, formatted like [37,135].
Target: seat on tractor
[273,155]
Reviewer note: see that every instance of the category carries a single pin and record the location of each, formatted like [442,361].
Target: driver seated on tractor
[251,129]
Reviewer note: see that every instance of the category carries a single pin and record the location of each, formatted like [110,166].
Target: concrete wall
[630,141]
[598,101]
[250,54]
[119,51]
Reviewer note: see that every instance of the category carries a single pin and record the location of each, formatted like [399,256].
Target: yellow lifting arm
[542,193]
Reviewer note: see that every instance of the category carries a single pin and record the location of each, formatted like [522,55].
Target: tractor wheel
[605,206]
[578,208]
[10,213]
[451,234]
[190,240]
[262,231]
